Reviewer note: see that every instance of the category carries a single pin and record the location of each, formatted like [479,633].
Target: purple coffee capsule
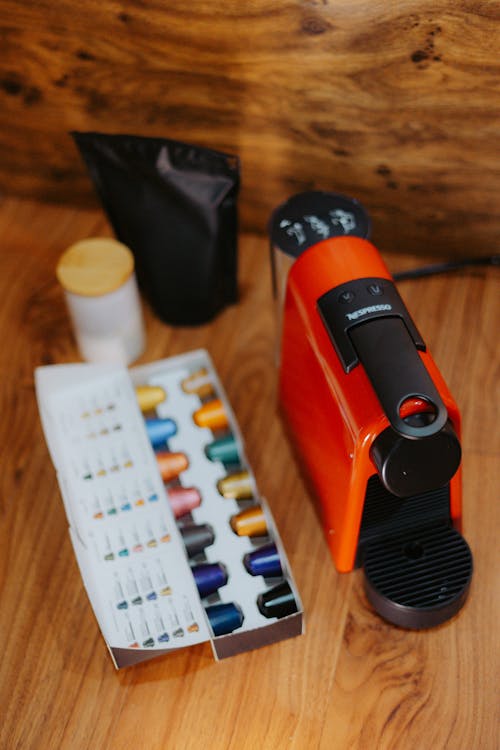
[209,577]
[264,561]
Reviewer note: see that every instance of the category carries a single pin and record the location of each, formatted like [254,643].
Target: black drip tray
[419,578]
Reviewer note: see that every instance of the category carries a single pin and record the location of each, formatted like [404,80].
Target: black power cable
[454,265]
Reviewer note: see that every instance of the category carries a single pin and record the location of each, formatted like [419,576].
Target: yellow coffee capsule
[171,464]
[249,522]
[198,384]
[211,415]
[149,396]
[237,486]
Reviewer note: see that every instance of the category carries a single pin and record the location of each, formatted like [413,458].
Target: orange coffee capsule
[250,522]
[211,415]
[171,464]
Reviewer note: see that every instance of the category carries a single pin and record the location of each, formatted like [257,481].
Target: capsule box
[174,542]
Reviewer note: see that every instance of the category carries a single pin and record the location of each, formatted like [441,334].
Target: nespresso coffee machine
[373,422]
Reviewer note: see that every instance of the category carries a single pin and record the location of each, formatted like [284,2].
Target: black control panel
[308,218]
[358,302]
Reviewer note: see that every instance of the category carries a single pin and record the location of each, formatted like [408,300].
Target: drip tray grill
[418,578]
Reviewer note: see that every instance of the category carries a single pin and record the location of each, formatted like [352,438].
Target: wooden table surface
[352,681]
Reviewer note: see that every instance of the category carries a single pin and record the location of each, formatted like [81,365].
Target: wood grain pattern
[351,681]
[396,104]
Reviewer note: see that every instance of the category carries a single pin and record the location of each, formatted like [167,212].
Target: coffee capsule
[211,415]
[183,500]
[197,537]
[224,450]
[198,384]
[149,396]
[237,486]
[171,464]
[224,618]
[250,522]
[160,430]
[209,577]
[277,602]
[264,561]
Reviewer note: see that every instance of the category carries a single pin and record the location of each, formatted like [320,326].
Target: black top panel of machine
[316,215]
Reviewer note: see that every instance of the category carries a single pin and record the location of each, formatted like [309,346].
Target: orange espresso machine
[373,423]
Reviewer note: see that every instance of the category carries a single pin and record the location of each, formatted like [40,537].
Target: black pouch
[175,206]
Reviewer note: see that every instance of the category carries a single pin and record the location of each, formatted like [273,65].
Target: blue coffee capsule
[160,430]
[277,602]
[263,562]
[224,618]
[209,577]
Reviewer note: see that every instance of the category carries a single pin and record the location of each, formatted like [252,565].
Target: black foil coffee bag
[175,206]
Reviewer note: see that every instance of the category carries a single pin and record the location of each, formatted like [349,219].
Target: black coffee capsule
[277,602]
[197,537]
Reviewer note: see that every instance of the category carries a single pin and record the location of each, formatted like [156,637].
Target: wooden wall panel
[391,102]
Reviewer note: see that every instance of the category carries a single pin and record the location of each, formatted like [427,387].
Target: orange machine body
[335,416]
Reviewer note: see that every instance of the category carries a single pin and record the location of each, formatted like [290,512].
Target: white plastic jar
[97,275]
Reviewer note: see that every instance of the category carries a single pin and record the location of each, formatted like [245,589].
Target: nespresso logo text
[366,310]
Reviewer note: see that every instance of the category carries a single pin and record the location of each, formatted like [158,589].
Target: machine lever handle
[397,374]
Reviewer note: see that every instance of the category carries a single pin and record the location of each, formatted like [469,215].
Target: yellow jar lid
[95,266]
